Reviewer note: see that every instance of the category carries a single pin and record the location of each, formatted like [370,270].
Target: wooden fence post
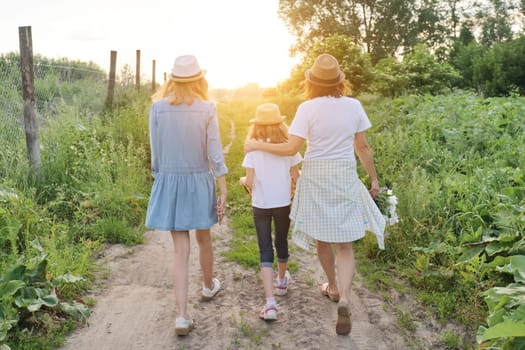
[137,71]
[111,82]
[28,93]
[153,72]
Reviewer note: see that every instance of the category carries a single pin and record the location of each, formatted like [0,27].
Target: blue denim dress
[186,157]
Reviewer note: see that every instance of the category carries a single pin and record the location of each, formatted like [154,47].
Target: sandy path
[136,308]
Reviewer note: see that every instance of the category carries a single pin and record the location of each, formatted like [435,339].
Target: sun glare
[237,41]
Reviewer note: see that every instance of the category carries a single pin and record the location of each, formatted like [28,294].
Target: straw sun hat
[325,71]
[267,114]
[186,69]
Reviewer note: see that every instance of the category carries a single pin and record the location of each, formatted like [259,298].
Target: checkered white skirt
[331,204]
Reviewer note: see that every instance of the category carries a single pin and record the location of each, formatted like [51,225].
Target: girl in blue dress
[186,161]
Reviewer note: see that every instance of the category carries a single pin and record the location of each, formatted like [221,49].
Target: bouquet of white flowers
[386,201]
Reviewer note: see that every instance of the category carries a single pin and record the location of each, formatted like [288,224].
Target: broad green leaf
[496,317]
[50,301]
[515,266]
[471,237]
[513,290]
[480,333]
[518,248]
[508,237]
[469,253]
[517,263]
[499,261]
[38,274]
[505,329]
[518,314]
[10,287]
[497,297]
[15,273]
[498,247]
[488,239]
[22,302]
[497,303]
[75,309]
[35,305]
[68,278]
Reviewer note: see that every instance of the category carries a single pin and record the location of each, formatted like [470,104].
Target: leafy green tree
[390,78]
[426,74]
[466,36]
[464,58]
[500,71]
[418,73]
[380,27]
[429,27]
[353,62]
[496,21]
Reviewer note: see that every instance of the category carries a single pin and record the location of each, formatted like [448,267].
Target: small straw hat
[267,114]
[325,71]
[186,69]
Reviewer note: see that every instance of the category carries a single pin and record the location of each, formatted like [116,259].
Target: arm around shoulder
[289,148]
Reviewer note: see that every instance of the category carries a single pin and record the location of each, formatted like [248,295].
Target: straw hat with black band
[325,71]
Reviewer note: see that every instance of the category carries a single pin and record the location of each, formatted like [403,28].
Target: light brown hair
[274,133]
[180,93]
[313,91]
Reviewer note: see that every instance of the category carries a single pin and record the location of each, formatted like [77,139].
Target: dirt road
[136,308]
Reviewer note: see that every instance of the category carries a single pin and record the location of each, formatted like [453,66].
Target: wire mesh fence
[59,85]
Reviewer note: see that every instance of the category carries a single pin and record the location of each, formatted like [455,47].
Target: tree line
[393,47]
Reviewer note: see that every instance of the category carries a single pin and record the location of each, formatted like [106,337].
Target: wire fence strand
[77,87]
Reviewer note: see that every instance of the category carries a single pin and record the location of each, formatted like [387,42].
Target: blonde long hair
[274,133]
[180,93]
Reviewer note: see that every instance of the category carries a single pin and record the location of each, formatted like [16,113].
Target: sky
[238,42]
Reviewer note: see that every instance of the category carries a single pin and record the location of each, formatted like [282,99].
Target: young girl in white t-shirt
[268,181]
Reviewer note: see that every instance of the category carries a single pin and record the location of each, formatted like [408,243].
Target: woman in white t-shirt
[331,204]
[268,180]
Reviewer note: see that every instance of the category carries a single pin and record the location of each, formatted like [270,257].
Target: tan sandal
[325,290]
[344,321]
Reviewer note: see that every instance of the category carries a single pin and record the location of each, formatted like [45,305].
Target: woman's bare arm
[289,148]
[365,156]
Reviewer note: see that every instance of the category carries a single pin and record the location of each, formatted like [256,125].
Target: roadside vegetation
[448,138]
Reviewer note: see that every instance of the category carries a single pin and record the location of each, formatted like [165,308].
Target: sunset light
[237,41]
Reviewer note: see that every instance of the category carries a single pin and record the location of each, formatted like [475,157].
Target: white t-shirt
[329,125]
[272,182]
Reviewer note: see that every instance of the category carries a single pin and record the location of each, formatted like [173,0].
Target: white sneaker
[208,294]
[282,288]
[268,313]
[183,326]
